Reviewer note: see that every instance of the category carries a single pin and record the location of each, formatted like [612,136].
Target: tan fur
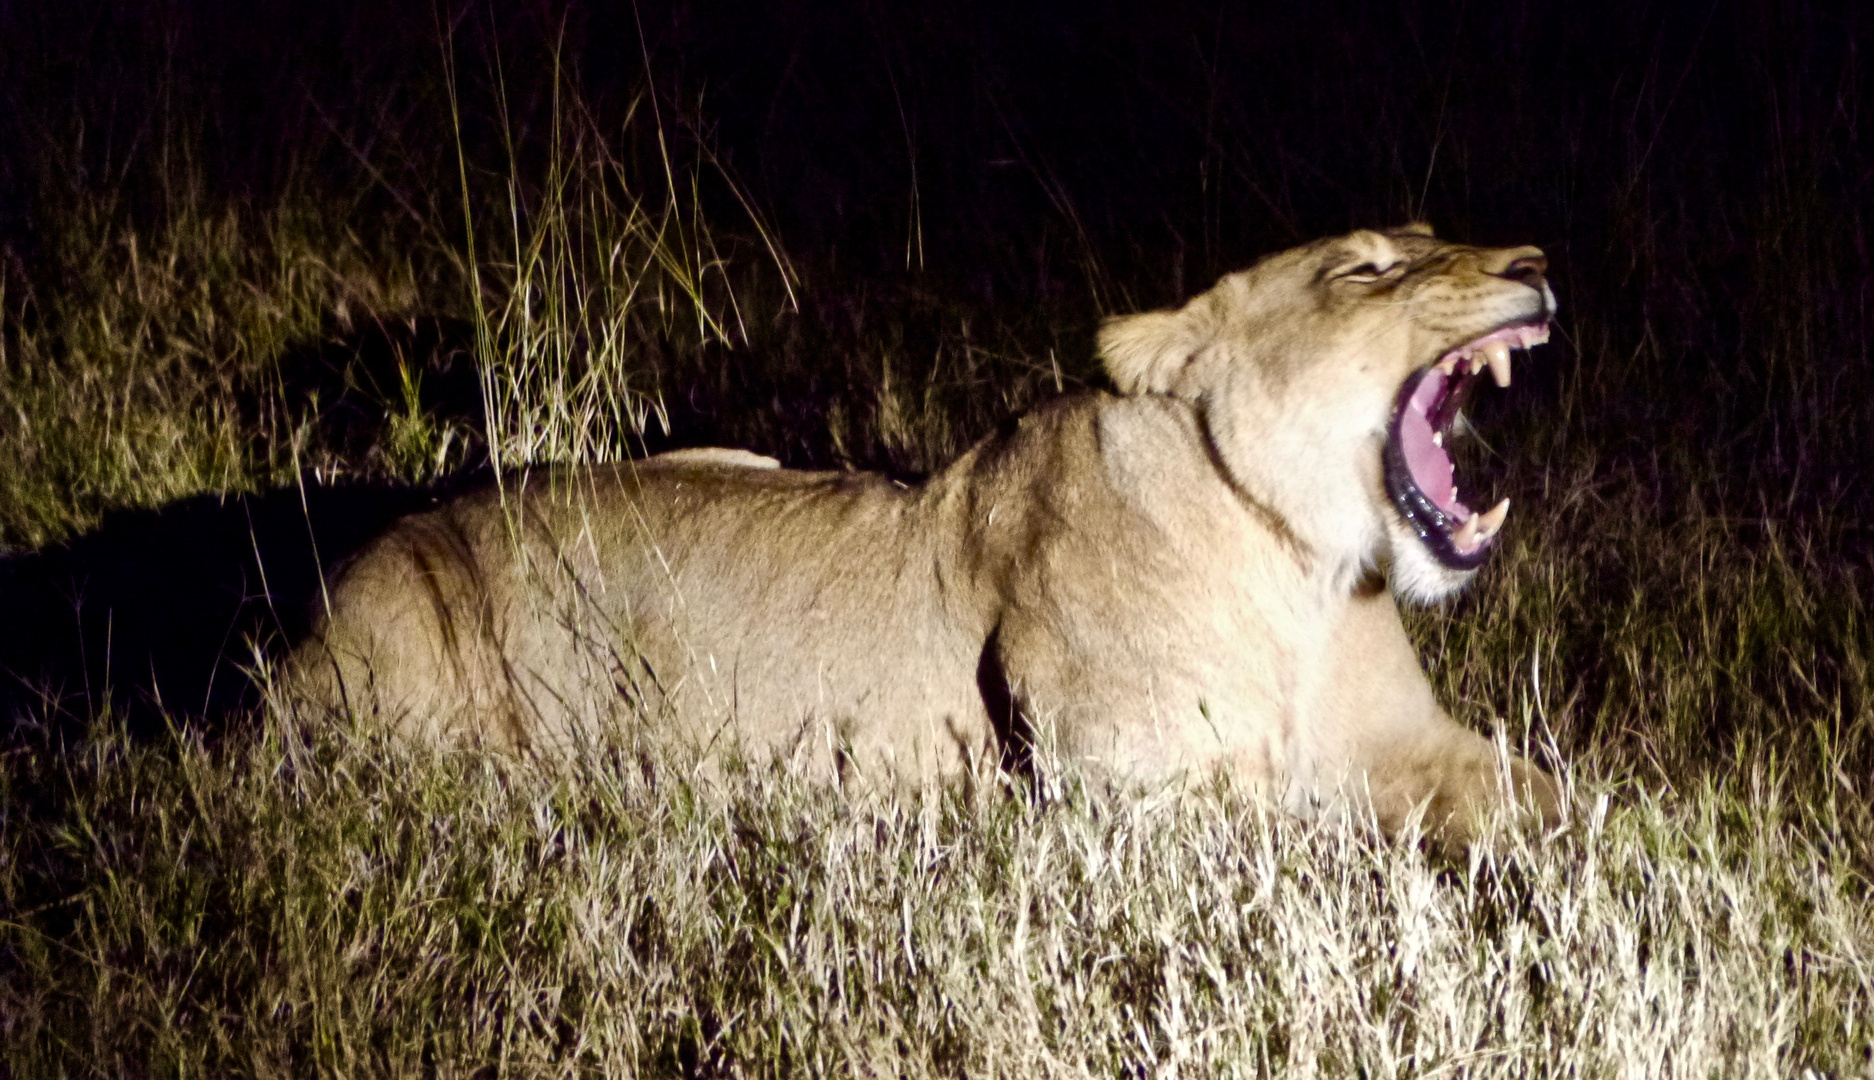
[1183,579]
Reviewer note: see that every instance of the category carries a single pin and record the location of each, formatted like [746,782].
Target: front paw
[1513,794]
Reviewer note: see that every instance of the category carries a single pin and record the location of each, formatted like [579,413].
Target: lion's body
[1106,575]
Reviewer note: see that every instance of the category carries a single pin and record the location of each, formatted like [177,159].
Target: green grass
[1694,661]
[128,377]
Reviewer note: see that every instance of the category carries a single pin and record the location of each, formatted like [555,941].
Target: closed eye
[1366,272]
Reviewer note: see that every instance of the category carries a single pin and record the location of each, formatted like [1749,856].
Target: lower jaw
[1422,517]
[1417,576]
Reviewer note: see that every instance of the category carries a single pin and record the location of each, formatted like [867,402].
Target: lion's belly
[784,678]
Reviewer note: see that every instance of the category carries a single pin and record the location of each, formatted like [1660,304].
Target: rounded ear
[1145,352]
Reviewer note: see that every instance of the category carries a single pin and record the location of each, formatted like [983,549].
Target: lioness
[1185,577]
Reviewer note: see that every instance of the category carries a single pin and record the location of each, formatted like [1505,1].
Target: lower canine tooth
[1465,538]
[1480,527]
[1498,355]
[1491,520]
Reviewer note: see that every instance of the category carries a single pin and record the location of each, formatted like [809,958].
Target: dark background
[1699,174]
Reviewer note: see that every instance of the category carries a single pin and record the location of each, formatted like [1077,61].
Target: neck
[1285,473]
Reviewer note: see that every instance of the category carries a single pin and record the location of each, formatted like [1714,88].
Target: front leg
[1166,702]
[1379,715]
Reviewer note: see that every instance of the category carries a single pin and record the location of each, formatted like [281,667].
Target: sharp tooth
[1491,520]
[1449,365]
[1465,539]
[1479,528]
[1498,354]
[1438,438]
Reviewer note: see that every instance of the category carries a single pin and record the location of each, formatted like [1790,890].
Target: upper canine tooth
[1498,355]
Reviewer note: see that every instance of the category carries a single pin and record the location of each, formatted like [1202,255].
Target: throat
[1319,511]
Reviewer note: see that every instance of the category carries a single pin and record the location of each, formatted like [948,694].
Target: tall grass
[145,365]
[605,262]
[335,907]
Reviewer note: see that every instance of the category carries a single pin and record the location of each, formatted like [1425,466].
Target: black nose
[1527,270]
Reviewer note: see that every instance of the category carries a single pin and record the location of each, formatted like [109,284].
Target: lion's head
[1329,378]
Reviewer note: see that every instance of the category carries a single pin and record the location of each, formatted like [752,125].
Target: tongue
[1430,465]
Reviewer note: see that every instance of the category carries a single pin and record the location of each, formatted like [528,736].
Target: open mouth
[1419,475]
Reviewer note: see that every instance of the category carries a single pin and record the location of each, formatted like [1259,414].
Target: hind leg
[408,641]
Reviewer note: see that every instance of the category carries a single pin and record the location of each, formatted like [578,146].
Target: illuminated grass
[339,909]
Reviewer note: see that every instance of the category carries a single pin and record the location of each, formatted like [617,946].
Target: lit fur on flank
[1185,578]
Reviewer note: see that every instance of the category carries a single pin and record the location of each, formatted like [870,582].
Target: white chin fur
[1414,574]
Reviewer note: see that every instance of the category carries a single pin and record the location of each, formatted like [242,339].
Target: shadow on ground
[159,613]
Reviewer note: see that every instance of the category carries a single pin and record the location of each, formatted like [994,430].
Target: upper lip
[1493,348]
